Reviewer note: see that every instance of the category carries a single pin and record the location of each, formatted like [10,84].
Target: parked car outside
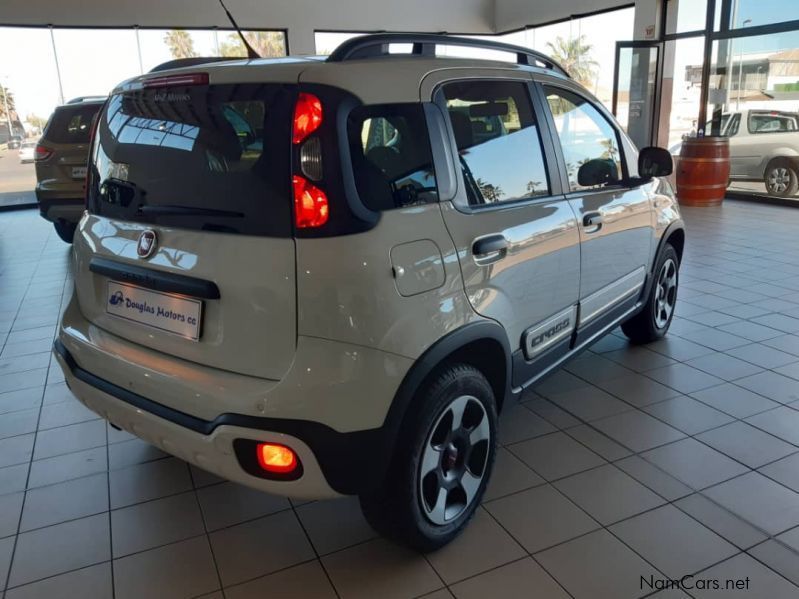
[14,142]
[61,158]
[325,278]
[26,151]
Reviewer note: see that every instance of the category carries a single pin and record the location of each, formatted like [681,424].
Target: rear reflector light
[42,153]
[174,80]
[276,458]
[310,204]
[307,116]
[311,159]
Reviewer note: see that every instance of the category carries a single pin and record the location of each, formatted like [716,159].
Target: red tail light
[310,204]
[276,458]
[41,153]
[174,80]
[307,116]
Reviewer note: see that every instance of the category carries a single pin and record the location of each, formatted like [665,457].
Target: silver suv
[323,278]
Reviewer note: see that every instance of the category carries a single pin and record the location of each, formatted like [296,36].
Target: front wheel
[782,179]
[442,463]
[652,323]
[65,230]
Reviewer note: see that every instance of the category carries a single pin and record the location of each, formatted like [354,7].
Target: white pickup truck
[764,146]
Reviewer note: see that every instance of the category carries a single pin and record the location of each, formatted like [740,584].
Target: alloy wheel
[665,293]
[779,179]
[454,460]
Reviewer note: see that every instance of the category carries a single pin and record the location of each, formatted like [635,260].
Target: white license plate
[174,314]
[78,172]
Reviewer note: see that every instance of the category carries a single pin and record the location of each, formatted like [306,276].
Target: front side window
[590,143]
[498,139]
[391,156]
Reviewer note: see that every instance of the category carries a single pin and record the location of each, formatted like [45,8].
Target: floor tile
[6,549]
[513,581]
[608,494]
[785,471]
[683,378]
[637,431]
[597,566]
[22,380]
[654,478]
[334,524]
[10,509]
[786,343]
[184,569]
[723,366]
[16,450]
[762,581]
[300,582]
[747,444]
[552,413]
[153,523]
[148,481]
[673,542]
[694,463]
[555,456]
[738,532]
[638,358]
[13,478]
[68,439]
[782,422]
[751,330]
[679,349]
[68,466]
[590,403]
[791,371]
[598,442]
[23,399]
[758,500]
[510,475]
[688,415]
[780,322]
[60,548]
[64,413]
[518,423]
[595,368]
[638,390]
[380,569]
[483,546]
[58,393]
[772,385]
[762,355]
[734,400]
[540,517]
[18,423]
[65,501]
[93,582]
[131,452]
[230,503]
[241,553]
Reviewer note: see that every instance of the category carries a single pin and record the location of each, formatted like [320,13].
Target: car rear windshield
[212,158]
[71,124]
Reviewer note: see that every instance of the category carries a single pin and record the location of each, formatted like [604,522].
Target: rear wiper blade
[188,211]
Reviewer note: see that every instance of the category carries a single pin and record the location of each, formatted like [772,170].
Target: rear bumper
[207,444]
[55,209]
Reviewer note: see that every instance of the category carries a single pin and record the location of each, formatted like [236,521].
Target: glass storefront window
[749,13]
[685,15]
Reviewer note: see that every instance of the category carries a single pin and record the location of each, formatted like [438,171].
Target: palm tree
[180,43]
[573,54]
[265,43]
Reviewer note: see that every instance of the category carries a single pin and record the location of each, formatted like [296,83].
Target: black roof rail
[193,61]
[424,44]
[80,99]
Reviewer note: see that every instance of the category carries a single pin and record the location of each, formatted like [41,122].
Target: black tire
[652,323]
[781,179]
[398,509]
[65,230]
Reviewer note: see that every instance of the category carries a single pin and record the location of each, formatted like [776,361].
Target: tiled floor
[677,458]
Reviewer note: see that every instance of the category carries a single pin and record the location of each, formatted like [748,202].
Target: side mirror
[599,171]
[654,162]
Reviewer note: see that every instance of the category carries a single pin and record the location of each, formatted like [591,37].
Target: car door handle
[490,248]
[592,221]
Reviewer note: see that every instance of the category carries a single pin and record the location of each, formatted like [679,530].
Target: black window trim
[544,131]
[623,183]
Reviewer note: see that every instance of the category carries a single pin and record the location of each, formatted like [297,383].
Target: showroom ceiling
[461,16]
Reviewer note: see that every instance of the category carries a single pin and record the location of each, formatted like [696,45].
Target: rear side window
[590,143]
[391,156]
[71,124]
[212,158]
[771,123]
[498,139]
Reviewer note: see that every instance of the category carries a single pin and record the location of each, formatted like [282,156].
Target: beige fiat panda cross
[327,277]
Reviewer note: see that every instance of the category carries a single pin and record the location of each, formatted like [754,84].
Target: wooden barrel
[703,171]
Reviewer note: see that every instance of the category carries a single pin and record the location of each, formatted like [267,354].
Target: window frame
[625,180]
[460,200]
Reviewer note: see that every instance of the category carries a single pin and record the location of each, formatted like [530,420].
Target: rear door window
[498,139]
[771,123]
[71,124]
[213,158]
[391,156]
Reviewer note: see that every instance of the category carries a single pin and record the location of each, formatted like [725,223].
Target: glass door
[636,94]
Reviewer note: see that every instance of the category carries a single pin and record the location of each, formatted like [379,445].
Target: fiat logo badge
[147,242]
